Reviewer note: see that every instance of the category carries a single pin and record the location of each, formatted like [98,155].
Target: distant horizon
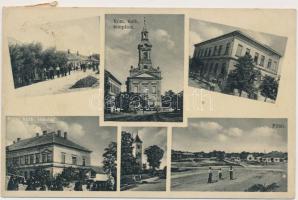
[231,152]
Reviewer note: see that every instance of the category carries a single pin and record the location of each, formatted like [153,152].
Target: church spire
[144,33]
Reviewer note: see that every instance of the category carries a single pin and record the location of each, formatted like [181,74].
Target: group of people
[220,177]
[57,184]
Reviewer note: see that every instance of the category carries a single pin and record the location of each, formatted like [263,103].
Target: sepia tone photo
[230,154]
[144,65]
[235,61]
[62,56]
[60,154]
[143,159]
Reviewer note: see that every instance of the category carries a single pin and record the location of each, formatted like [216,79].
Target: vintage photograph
[230,154]
[55,57]
[60,154]
[143,159]
[235,61]
[144,68]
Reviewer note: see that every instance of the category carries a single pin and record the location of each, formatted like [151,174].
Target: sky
[202,30]
[166,34]
[84,131]
[77,35]
[151,136]
[231,135]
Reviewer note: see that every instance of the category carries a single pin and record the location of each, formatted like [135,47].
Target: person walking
[210,175]
[231,173]
[58,71]
[220,174]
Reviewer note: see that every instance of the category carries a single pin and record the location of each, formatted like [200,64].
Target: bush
[88,81]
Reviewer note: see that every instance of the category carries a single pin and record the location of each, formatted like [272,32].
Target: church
[145,79]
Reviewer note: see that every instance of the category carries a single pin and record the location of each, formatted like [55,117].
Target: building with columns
[145,79]
[51,151]
[216,57]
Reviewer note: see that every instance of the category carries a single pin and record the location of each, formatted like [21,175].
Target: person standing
[231,173]
[58,71]
[220,174]
[210,175]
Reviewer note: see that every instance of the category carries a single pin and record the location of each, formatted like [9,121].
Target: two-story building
[50,151]
[215,58]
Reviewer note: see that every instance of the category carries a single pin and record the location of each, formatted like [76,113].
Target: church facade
[145,79]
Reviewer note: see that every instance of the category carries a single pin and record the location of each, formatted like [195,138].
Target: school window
[74,160]
[256,58]
[215,50]
[153,89]
[219,50]
[215,68]
[262,60]
[209,52]
[206,52]
[201,53]
[239,50]
[32,159]
[227,49]
[135,89]
[247,52]
[26,160]
[49,157]
[269,63]
[37,158]
[84,161]
[44,158]
[223,68]
[63,155]
[22,160]
[275,66]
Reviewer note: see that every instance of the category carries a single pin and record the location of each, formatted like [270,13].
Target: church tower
[144,48]
[138,151]
[145,79]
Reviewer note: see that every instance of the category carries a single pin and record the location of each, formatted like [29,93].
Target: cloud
[18,128]
[76,130]
[235,132]
[207,126]
[222,137]
[163,36]
[264,131]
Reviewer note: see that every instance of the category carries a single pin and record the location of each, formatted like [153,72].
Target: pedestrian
[220,174]
[231,173]
[78,186]
[69,69]
[210,175]
[58,71]
[12,183]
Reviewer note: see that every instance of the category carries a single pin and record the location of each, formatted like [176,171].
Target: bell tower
[144,48]
[138,151]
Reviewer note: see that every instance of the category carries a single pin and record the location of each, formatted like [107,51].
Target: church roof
[45,139]
[137,139]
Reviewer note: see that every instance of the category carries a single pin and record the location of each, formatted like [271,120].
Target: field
[195,178]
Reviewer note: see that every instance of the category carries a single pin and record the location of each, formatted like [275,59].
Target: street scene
[248,155]
[144,64]
[235,61]
[143,159]
[55,61]
[60,154]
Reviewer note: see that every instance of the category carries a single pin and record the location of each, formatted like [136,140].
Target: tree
[128,162]
[110,159]
[269,88]
[243,76]
[154,155]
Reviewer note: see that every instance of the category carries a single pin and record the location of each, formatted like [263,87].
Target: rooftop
[46,139]
[243,35]
[108,74]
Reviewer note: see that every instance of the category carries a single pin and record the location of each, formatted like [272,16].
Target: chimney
[65,135]
[37,134]
[14,142]
[59,133]
[78,53]
[18,139]
[44,132]
[68,51]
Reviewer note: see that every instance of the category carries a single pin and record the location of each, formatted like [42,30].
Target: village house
[51,151]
